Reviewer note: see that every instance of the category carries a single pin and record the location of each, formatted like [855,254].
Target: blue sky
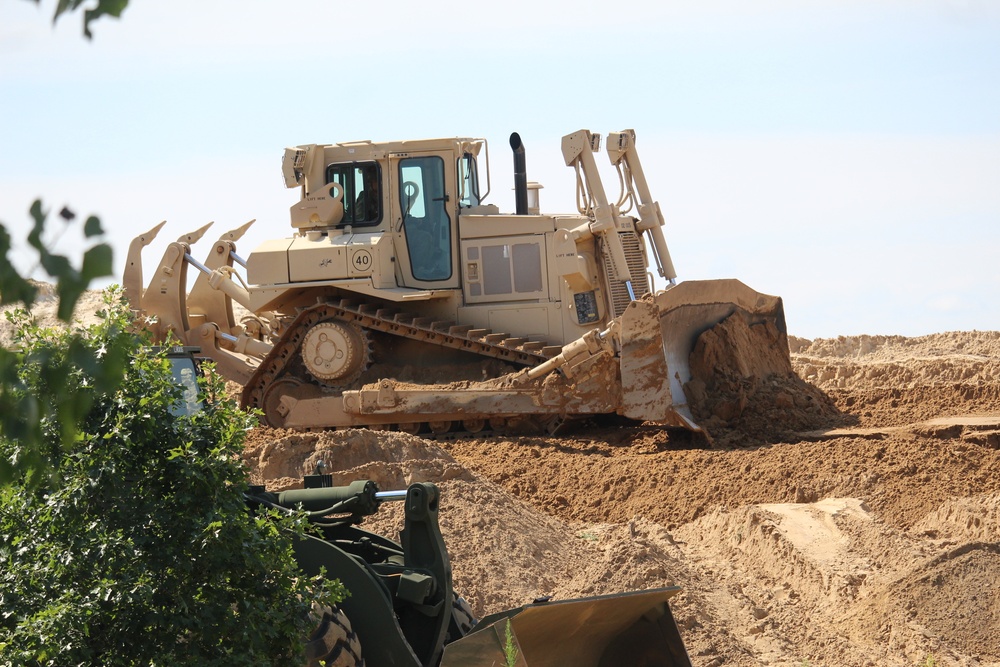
[842,154]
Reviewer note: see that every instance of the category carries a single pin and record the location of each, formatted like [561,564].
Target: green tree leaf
[97,263]
[92,227]
[112,8]
[13,288]
[104,8]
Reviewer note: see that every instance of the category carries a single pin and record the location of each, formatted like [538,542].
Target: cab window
[423,204]
[362,183]
[468,181]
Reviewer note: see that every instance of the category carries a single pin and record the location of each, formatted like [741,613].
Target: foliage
[71,282]
[509,647]
[140,549]
[103,8]
[23,412]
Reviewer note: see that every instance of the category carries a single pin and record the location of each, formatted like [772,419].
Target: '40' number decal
[362,260]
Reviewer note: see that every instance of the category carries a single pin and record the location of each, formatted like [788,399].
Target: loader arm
[405,611]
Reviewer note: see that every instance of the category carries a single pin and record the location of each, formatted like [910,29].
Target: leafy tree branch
[25,416]
[113,8]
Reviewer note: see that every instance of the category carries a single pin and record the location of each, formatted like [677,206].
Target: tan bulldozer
[402,300]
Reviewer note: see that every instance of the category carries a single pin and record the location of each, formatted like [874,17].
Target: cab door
[426,225]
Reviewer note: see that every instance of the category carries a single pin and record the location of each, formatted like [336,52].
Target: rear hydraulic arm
[360,498]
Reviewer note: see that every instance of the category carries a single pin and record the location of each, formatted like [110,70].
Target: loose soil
[846,513]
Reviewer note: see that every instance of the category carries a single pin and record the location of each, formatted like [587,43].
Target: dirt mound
[392,460]
[896,348]
[508,537]
[973,519]
[945,606]
[744,391]
[902,476]
[896,380]
[881,593]
[781,562]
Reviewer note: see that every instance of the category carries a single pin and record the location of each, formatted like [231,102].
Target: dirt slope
[870,538]
[847,516]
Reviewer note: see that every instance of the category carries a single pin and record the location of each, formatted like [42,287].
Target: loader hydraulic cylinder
[359,498]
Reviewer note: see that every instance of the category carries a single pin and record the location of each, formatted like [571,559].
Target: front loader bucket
[607,631]
[658,337]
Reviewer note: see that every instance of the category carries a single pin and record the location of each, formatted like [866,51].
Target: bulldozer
[403,611]
[402,300]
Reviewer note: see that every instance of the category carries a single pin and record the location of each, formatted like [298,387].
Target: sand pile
[896,380]
[840,551]
[744,391]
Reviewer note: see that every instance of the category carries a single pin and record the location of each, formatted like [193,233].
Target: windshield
[362,183]
[186,375]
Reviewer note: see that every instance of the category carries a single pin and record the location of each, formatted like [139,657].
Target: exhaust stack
[520,175]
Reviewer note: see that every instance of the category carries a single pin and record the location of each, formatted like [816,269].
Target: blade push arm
[578,151]
[623,155]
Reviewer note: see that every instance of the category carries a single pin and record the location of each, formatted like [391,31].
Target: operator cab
[423,204]
[394,205]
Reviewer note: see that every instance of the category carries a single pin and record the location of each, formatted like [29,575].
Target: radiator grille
[636,260]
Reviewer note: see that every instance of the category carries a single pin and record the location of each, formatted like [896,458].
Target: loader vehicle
[402,300]
[403,611]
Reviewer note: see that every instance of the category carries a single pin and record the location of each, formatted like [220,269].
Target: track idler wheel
[335,352]
[439,427]
[274,410]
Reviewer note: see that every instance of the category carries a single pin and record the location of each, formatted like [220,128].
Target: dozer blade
[645,377]
[607,631]
[658,338]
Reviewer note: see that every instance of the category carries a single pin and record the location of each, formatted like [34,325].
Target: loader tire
[333,643]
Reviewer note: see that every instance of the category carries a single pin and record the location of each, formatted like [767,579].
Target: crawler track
[276,369]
